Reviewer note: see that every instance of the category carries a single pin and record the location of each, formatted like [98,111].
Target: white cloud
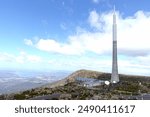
[51,45]
[24,57]
[28,42]
[34,58]
[95,20]
[21,58]
[133,36]
[6,57]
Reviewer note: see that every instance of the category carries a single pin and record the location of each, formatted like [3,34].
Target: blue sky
[74,34]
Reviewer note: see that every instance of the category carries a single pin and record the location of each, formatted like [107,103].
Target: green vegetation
[129,87]
[19,96]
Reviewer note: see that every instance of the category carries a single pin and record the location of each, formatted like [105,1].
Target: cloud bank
[133,43]
[23,57]
[133,36]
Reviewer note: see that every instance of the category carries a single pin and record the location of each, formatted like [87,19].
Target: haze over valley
[13,81]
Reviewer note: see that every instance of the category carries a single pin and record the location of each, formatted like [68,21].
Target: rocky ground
[129,87]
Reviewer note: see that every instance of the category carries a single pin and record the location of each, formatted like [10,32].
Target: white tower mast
[114,75]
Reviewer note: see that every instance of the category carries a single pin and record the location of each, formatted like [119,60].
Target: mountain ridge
[94,74]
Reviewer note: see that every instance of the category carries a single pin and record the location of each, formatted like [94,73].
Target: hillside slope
[97,75]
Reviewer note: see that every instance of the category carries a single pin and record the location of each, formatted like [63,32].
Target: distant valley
[12,81]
